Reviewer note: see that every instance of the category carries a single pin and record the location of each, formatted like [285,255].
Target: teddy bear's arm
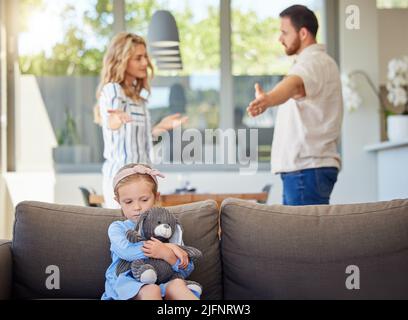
[193,253]
[133,236]
[122,266]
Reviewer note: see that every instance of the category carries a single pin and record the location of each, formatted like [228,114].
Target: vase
[397,128]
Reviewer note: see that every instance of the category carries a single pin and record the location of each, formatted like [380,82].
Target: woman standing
[122,112]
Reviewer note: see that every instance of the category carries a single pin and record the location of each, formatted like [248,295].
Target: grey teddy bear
[161,224]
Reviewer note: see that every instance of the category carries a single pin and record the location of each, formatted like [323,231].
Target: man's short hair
[302,17]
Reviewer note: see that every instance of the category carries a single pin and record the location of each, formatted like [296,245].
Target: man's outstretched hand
[260,104]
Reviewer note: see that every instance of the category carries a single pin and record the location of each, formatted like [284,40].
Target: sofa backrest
[316,252]
[75,240]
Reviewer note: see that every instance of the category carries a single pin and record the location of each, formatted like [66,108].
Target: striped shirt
[132,142]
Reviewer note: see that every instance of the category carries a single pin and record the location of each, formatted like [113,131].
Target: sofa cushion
[278,252]
[75,240]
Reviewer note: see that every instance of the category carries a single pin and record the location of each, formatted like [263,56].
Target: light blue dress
[124,286]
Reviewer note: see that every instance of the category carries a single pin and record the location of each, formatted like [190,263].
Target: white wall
[30,186]
[16,187]
[35,136]
[35,178]
[66,187]
[359,50]
[393,38]
[6,211]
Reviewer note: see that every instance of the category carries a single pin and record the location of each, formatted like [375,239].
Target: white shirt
[307,129]
[132,142]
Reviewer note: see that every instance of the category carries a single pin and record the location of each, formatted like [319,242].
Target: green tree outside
[255,46]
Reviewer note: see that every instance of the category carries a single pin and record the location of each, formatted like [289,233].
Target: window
[195,89]
[392,4]
[61,46]
[258,57]
[60,71]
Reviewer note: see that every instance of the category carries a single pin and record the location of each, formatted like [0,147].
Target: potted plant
[70,149]
[397,87]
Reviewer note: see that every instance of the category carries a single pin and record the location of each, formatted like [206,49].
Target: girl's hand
[168,123]
[117,118]
[180,254]
[156,249]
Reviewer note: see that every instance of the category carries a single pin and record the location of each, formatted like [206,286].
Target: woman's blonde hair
[120,51]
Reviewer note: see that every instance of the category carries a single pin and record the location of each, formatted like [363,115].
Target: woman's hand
[168,123]
[180,254]
[156,249]
[117,118]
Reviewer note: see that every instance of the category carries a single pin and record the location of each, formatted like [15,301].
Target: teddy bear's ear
[177,236]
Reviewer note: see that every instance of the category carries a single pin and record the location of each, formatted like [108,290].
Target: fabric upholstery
[75,239]
[278,252]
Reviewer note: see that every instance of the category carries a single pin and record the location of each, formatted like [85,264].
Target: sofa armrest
[5,269]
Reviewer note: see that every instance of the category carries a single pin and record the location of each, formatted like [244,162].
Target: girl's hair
[135,178]
[115,61]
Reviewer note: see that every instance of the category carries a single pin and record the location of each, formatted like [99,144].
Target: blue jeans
[308,187]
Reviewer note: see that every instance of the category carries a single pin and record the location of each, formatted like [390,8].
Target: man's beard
[294,48]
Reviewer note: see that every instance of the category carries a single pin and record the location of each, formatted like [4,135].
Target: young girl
[135,188]
[121,110]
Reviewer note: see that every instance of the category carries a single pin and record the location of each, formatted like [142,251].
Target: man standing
[308,124]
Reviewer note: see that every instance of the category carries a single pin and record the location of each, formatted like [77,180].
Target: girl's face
[135,198]
[137,64]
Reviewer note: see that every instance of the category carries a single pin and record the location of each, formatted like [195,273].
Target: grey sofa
[265,252]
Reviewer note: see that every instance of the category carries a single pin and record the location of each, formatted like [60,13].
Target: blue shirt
[124,286]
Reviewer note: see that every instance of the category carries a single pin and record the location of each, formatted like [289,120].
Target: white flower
[397,84]
[399,81]
[398,96]
[352,99]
